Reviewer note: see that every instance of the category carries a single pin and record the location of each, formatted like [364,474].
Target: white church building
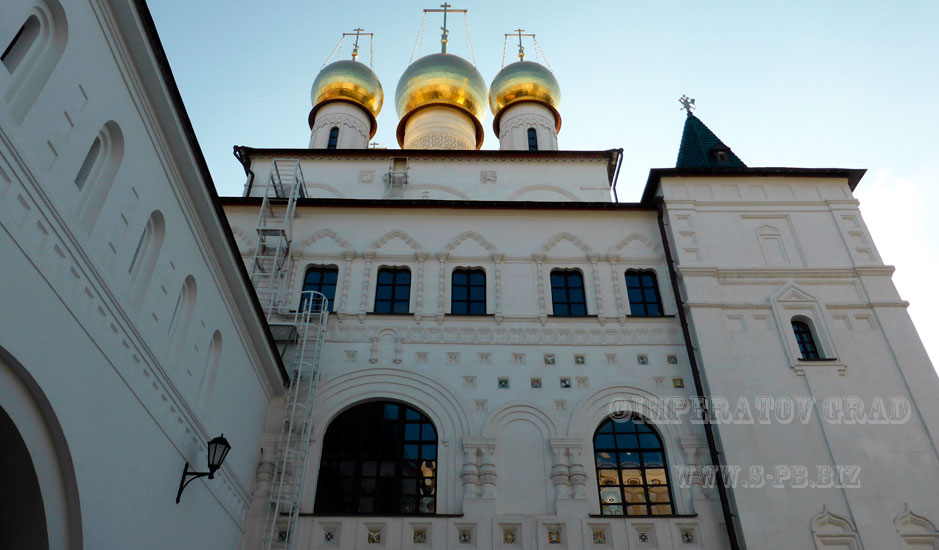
[432,346]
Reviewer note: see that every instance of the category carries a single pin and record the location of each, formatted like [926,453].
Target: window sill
[573,316]
[399,515]
[602,516]
[389,314]
[820,359]
[801,365]
[469,314]
[650,316]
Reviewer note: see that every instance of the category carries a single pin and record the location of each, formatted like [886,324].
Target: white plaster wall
[518,118]
[440,128]
[448,366]
[128,406]
[741,302]
[479,178]
[353,123]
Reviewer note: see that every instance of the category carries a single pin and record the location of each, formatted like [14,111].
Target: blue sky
[794,83]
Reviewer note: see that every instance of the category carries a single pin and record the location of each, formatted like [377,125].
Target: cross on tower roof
[356,32]
[520,32]
[687,103]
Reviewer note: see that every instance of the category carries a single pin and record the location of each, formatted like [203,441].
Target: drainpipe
[730,518]
[619,162]
[242,157]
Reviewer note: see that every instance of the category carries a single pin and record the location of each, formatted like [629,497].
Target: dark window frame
[805,339]
[572,307]
[388,306]
[467,305]
[532,139]
[631,447]
[333,141]
[641,307]
[321,285]
[379,458]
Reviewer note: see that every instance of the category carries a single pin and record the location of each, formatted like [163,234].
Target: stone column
[369,256]
[598,296]
[470,473]
[419,299]
[442,287]
[487,470]
[559,471]
[539,274]
[343,304]
[617,288]
[497,258]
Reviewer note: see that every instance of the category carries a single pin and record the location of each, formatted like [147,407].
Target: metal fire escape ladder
[298,321]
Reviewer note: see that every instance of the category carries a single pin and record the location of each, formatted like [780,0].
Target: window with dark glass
[468,292]
[22,41]
[632,475]
[567,293]
[805,340]
[643,292]
[378,458]
[333,138]
[532,139]
[393,293]
[322,280]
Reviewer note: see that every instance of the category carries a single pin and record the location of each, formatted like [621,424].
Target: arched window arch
[532,139]
[211,369]
[182,315]
[642,290]
[802,330]
[632,473]
[468,292]
[32,53]
[96,174]
[145,255]
[333,138]
[379,458]
[322,279]
[567,293]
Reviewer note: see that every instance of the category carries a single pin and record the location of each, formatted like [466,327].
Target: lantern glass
[218,450]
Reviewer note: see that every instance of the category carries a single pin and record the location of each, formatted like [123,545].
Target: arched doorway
[22,515]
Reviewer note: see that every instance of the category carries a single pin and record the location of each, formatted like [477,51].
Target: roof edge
[456,204]
[853,175]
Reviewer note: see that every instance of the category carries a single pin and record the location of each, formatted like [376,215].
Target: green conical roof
[700,148]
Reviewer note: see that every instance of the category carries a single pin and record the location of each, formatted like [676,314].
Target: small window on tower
[721,156]
[532,139]
[333,137]
[805,340]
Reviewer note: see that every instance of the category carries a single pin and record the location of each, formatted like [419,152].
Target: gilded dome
[349,81]
[441,79]
[524,81]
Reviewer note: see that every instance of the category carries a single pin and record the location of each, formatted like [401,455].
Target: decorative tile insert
[465,535]
[687,535]
[581,381]
[642,359]
[453,357]
[549,359]
[518,358]
[485,358]
[560,405]
[421,356]
[565,382]
[469,382]
[503,383]
[329,535]
[554,534]
[481,405]
[509,535]
[672,359]
[659,381]
[580,359]
[610,358]
[536,383]
[599,536]
[420,535]
[678,382]
[374,536]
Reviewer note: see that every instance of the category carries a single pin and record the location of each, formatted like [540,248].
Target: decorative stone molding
[440,141]
[617,288]
[419,299]
[322,233]
[442,287]
[483,242]
[831,531]
[368,256]
[595,276]
[564,236]
[497,285]
[539,275]
[488,176]
[479,471]
[916,531]
[342,306]
[395,233]
[791,301]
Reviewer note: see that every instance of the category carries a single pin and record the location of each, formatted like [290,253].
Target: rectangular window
[393,292]
[567,293]
[322,280]
[643,292]
[468,292]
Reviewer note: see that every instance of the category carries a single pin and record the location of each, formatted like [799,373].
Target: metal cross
[355,48]
[446,9]
[686,103]
[521,49]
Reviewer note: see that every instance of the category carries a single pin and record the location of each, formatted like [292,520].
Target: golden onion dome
[349,81]
[441,79]
[524,81]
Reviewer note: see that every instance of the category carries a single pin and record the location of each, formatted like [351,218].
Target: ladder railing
[298,321]
[296,430]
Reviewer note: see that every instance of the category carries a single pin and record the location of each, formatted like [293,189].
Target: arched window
[468,292]
[20,45]
[393,293]
[31,55]
[532,139]
[643,292]
[145,255]
[182,315]
[632,475]
[333,138]
[96,174]
[806,341]
[567,293]
[378,458]
[211,369]
[320,279]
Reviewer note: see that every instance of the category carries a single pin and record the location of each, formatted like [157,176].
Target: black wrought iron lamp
[218,450]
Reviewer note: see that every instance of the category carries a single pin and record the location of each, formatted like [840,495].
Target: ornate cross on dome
[356,32]
[521,49]
[687,103]
[446,9]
